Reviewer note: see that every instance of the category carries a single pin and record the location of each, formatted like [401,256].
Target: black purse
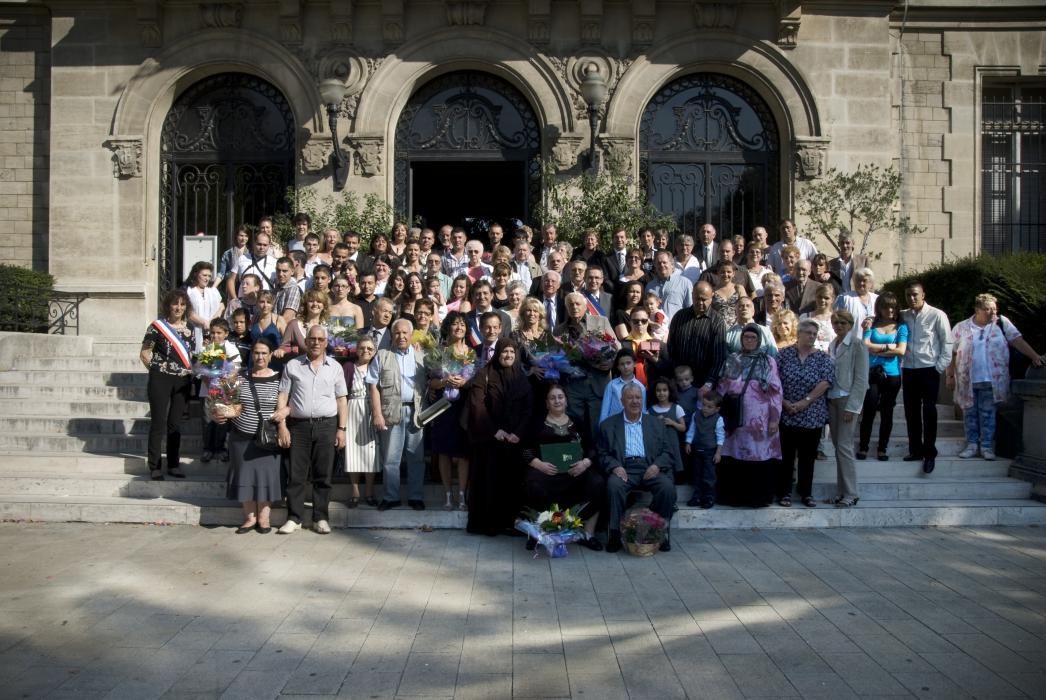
[265,436]
[732,408]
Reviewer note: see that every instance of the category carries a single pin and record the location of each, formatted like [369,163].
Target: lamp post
[332,91]
[594,92]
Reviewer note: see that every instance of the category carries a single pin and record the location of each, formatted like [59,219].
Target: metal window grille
[1012,168]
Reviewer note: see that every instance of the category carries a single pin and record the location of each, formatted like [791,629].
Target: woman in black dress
[166,352]
[544,485]
[500,405]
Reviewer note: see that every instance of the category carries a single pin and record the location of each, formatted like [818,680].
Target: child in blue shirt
[625,371]
[704,445]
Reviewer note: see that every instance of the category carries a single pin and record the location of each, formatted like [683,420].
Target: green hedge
[24,298]
[1018,281]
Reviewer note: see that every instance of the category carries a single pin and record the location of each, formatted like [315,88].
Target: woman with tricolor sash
[166,352]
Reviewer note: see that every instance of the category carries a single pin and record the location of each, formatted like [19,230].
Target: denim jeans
[403,438]
[980,418]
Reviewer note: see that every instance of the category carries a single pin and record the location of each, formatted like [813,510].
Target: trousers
[921,387]
[312,460]
[168,395]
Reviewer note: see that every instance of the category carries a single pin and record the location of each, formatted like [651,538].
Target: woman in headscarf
[752,450]
[500,404]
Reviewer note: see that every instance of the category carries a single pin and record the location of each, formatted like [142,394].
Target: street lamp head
[332,91]
[593,87]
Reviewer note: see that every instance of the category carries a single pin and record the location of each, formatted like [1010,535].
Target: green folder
[563,455]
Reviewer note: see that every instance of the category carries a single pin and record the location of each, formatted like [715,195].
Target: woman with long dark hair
[886,338]
[167,353]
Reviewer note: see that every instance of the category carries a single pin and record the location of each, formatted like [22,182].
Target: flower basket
[642,549]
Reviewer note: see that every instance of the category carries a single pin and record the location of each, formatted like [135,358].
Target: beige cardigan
[851,371]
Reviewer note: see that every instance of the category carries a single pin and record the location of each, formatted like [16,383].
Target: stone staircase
[74,433]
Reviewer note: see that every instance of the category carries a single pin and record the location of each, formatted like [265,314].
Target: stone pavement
[138,611]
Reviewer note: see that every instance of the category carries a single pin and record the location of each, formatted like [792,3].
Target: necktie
[550,313]
[490,353]
[375,334]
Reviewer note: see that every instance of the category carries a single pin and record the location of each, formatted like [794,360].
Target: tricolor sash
[176,341]
[592,302]
[475,338]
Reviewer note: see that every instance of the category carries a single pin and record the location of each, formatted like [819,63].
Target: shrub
[346,211]
[24,296]
[1018,281]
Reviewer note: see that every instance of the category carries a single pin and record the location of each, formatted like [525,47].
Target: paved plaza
[139,611]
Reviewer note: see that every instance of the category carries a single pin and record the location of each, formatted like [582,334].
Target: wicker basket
[644,549]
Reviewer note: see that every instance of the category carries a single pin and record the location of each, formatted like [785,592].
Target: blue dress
[272,332]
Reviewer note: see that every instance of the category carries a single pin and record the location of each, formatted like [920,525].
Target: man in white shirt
[789,236]
[257,262]
[686,263]
[455,259]
[548,244]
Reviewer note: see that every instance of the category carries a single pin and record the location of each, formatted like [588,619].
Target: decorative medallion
[127,156]
[811,156]
[221,15]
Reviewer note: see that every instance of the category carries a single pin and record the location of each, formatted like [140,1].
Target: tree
[368,215]
[604,201]
[862,203]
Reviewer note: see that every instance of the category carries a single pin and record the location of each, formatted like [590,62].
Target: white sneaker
[321,527]
[970,451]
[288,528]
[987,454]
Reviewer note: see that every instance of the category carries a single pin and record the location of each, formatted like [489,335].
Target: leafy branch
[369,214]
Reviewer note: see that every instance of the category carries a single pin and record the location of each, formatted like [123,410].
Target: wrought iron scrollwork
[63,312]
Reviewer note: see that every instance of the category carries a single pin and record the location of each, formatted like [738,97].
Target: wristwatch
[341,429]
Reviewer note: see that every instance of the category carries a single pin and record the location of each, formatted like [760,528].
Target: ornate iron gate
[467,116]
[227,157]
[709,154]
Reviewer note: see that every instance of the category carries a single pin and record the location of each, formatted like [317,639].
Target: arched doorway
[467,148]
[709,154]
[227,157]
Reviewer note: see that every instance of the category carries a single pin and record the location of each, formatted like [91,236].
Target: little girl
[624,373]
[664,407]
[658,320]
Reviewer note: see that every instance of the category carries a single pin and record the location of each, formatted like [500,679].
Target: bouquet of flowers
[553,528]
[597,349]
[342,338]
[643,531]
[445,362]
[222,377]
[551,358]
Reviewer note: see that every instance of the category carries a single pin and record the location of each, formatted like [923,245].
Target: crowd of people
[537,373]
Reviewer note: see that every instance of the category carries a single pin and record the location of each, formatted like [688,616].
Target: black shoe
[262,530]
[614,542]
[371,501]
[416,505]
[156,474]
[591,543]
[531,544]
[912,457]
[385,505]
[176,472]
[694,502]
[666,546]
[706,505]
[862,453]
[245,530]
[928,464]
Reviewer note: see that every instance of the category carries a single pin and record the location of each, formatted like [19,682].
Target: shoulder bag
[265,436]
[732,408]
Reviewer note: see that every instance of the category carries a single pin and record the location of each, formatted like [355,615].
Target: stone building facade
[103,104]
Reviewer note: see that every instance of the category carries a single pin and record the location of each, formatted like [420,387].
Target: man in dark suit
[379,331]
[707,250]
[364,262]
[482,298]
[801,290]
[844,266]
[551,298]
[637,454]
[614,261]
[599,301]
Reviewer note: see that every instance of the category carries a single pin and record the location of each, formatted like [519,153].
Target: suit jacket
[612,268]
[851,371]
[699,253]
[606,301]
[364,262]
[386,338]
[835,266]
[801,300]
[656,444]
[561,305]
[473,317]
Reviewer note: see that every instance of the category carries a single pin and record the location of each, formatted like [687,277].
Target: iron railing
[30,312]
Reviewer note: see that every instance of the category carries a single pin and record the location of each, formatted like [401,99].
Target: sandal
[862,453]
[809,502]
[785,501]
[846,502]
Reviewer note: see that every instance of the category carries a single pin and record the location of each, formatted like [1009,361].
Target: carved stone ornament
[127,156]
[709,14]
[811,156]
[539,22]
[462,13]
[789,17]
[573,71]
[148,16]
[316,153]
[370,155]
[564,150]
[221,15]
[340,26]
[620,151]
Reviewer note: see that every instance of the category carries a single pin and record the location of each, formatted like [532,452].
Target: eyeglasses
[641,320]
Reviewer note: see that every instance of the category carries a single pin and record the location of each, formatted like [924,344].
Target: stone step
[128,363]
[80,377]
[212,485]
[71,391]
[101,408]
[108,346]
[901,513]
[131,462]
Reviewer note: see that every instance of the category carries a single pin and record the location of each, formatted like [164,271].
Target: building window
[1012,170]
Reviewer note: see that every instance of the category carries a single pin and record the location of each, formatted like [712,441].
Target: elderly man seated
[635,452]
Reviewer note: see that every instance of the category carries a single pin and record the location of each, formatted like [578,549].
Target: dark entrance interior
[472,194]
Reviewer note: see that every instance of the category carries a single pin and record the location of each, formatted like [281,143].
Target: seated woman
[254,473]
[544,483]
[745,476]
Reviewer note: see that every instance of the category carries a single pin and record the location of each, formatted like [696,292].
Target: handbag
[265,436]
[732,407]
[877,374]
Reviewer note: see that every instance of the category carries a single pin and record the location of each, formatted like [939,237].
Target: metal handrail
[41,311]
[63,312]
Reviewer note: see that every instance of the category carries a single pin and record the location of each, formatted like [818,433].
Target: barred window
[1012,169]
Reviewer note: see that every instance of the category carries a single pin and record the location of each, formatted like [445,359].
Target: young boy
[686,393]
[241,337]
[658,320]
[704,444]
[214,433]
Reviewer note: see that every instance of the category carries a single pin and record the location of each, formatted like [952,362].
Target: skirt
[254,474]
